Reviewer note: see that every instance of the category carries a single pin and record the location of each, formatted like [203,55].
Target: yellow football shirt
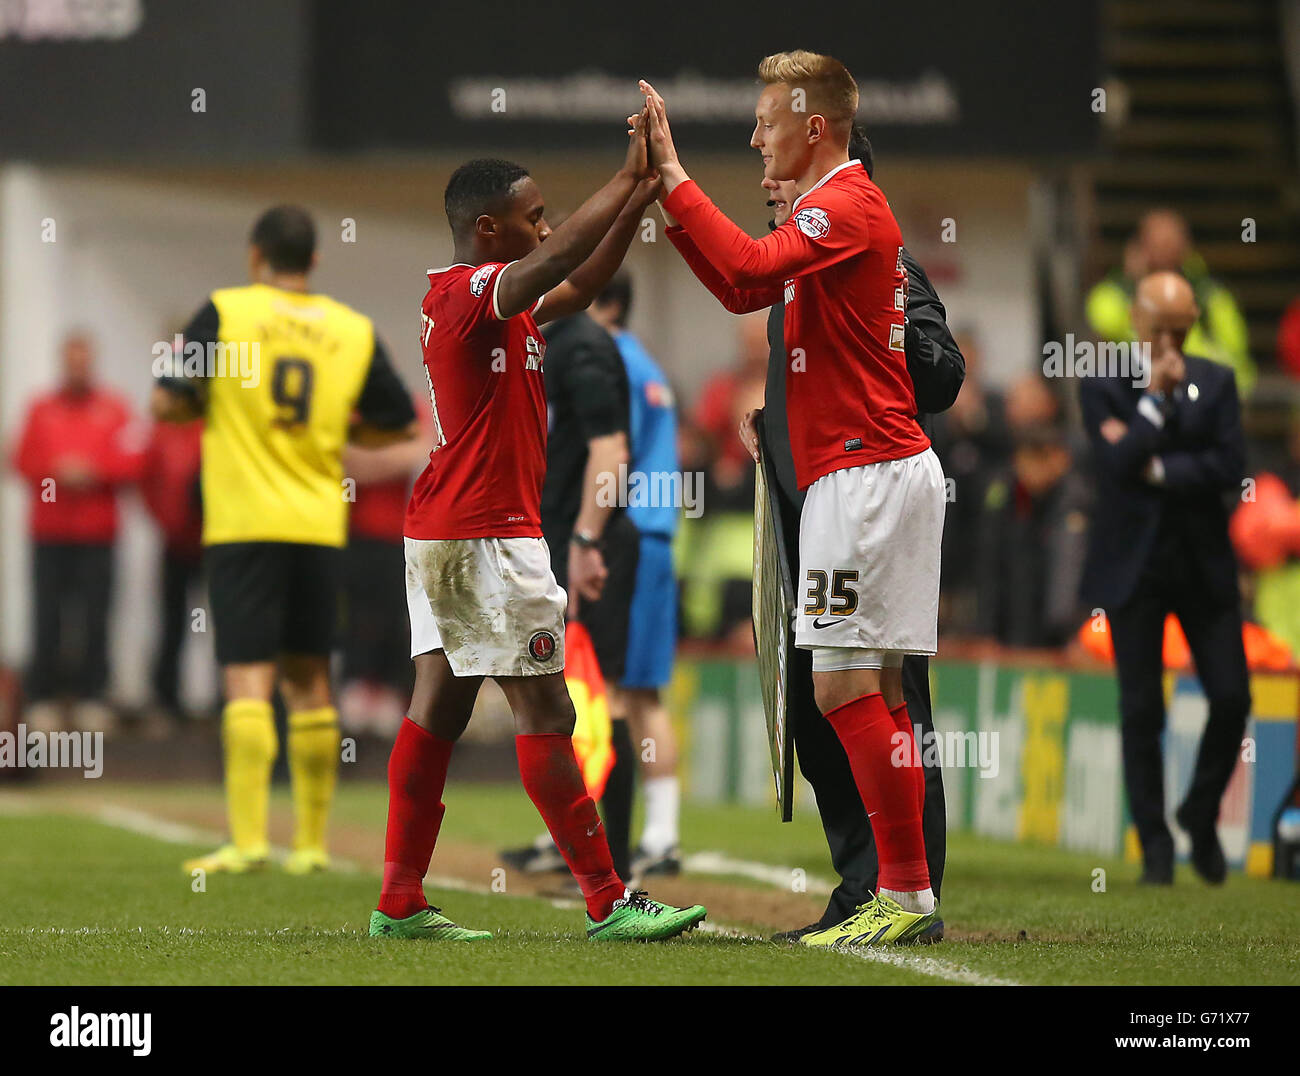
[284,373]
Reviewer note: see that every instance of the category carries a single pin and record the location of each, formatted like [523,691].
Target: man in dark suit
[1166,454]
[937,369]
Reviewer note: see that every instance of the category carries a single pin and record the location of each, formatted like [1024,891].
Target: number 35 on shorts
[830,592]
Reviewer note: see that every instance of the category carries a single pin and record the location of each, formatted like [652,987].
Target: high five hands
[638,162]
[659,138]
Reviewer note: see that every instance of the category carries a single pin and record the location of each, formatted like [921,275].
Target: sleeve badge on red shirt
[814,223]
[479,281]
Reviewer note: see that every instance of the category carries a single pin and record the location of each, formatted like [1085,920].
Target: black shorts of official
[272,598]
[608,617]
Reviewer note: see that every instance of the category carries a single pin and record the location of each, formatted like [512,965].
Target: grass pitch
[87,902]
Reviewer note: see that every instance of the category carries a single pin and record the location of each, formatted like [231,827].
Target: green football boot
[880,922]
[836,935]
[427,924]
[638,918]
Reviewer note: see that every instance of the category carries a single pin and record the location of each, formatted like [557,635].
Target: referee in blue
[937,369]
[652,623]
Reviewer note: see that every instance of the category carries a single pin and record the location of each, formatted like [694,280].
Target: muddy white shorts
[869,541]
[491,603]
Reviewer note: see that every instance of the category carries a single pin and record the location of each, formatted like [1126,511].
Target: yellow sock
[313,767]
[248,736]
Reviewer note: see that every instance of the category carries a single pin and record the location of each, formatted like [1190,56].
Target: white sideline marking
[898,957]
[724,931]
[149,825]
[778,877]
[161,829]
[926,965]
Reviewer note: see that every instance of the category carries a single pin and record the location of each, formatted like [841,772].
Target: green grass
[82,902]
[87,904]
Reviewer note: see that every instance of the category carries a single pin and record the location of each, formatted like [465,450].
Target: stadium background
[1012,188]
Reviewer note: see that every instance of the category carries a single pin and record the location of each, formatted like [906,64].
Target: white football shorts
[491,603]
[869,541]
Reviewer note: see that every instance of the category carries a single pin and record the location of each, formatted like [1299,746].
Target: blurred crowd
[1019,498]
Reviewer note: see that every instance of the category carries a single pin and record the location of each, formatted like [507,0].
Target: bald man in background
[1168,454]
[1163,243]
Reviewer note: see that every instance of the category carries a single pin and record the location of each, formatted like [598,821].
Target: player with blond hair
[873,516]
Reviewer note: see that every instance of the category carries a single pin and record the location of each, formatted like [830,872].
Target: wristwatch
[584,540]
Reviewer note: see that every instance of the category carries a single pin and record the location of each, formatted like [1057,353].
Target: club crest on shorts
[541,647]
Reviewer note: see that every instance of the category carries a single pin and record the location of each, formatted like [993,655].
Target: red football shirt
[849,397]
[484,478]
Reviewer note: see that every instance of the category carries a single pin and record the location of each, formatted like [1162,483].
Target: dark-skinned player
[482,596]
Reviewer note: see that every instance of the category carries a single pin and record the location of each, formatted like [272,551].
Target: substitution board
[773,625]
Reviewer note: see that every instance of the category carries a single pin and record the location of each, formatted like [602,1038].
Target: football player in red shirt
[873,516]
[482,598]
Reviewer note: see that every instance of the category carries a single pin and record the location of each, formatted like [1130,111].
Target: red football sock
[903,723]
[866,729]
[554,783]
[417,773]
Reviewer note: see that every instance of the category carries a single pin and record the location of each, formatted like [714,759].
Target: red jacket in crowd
[169,484]
[84,442]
